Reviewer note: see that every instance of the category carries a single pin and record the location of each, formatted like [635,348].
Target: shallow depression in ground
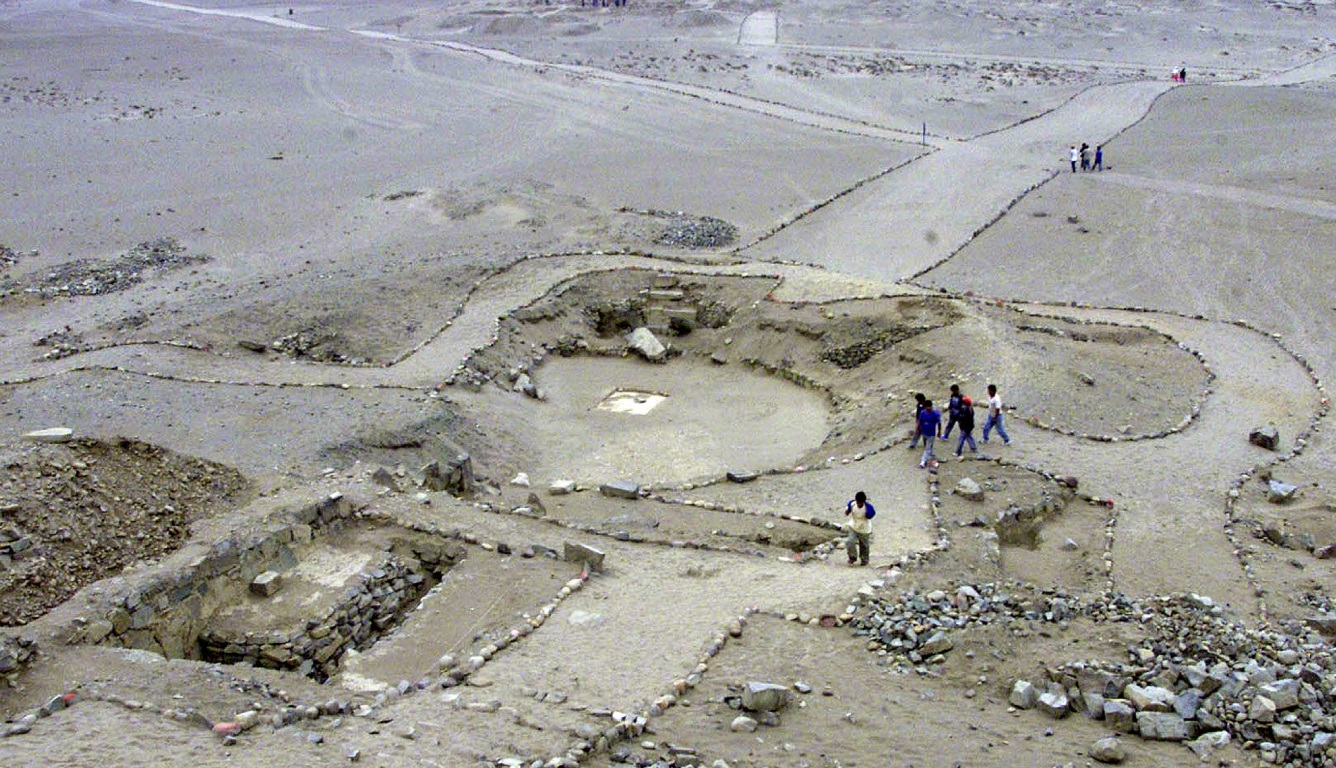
[714,419]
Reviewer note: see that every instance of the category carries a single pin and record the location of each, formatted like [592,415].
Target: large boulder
[1150,698]
[643,342]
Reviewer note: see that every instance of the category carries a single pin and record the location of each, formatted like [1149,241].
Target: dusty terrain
[262,258]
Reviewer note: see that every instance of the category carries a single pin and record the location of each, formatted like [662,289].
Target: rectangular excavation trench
[343,583]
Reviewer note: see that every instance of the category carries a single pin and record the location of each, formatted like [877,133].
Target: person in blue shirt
[919,400]
[929,428]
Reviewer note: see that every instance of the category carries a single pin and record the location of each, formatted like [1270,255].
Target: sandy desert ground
[268,262]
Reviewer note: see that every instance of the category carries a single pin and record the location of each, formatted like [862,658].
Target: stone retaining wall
[167,611]
[367,611]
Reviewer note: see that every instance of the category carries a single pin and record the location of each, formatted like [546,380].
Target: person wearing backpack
[858,519]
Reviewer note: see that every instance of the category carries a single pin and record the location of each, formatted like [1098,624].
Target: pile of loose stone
[8,256]
[697,232]
[88,278]
[16,653]
[1197,677]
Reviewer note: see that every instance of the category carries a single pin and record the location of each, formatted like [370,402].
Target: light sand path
[759,28]
[920,214]
[1320,69]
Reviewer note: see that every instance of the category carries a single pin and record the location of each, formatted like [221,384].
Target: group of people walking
[858,512]
[1081,157]
[959,414]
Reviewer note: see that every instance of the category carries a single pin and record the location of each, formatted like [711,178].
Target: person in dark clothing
[1099,158]
[966,422]
[952,410]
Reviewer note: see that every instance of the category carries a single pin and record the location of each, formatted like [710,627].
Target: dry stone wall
[167,611]
[368,610]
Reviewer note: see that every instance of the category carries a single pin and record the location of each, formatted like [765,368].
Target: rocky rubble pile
[1197,677]
[915,626]
[75,513]
[62,343]
[310,343]
[15,654]
[8,256]
[685,231]
[84,277]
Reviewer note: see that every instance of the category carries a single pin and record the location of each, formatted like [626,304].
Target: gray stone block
[267,584]
[574,552]
[764,697]
[1162,726]
[620,489]
[1023,695]
[1120,716]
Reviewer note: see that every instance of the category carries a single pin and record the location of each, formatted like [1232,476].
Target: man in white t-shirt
[995,416]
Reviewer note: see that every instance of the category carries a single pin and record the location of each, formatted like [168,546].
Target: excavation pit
[320,601]
[710,420]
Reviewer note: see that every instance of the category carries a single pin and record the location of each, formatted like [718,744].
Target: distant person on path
[1182,74]
[994,416]
[1099,158]
[1076,158]
[930,428]
[919,400]
[1085,156]
[966,422]
[858,518]
[952,410]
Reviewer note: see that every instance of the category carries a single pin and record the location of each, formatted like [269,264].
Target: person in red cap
[966,423]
